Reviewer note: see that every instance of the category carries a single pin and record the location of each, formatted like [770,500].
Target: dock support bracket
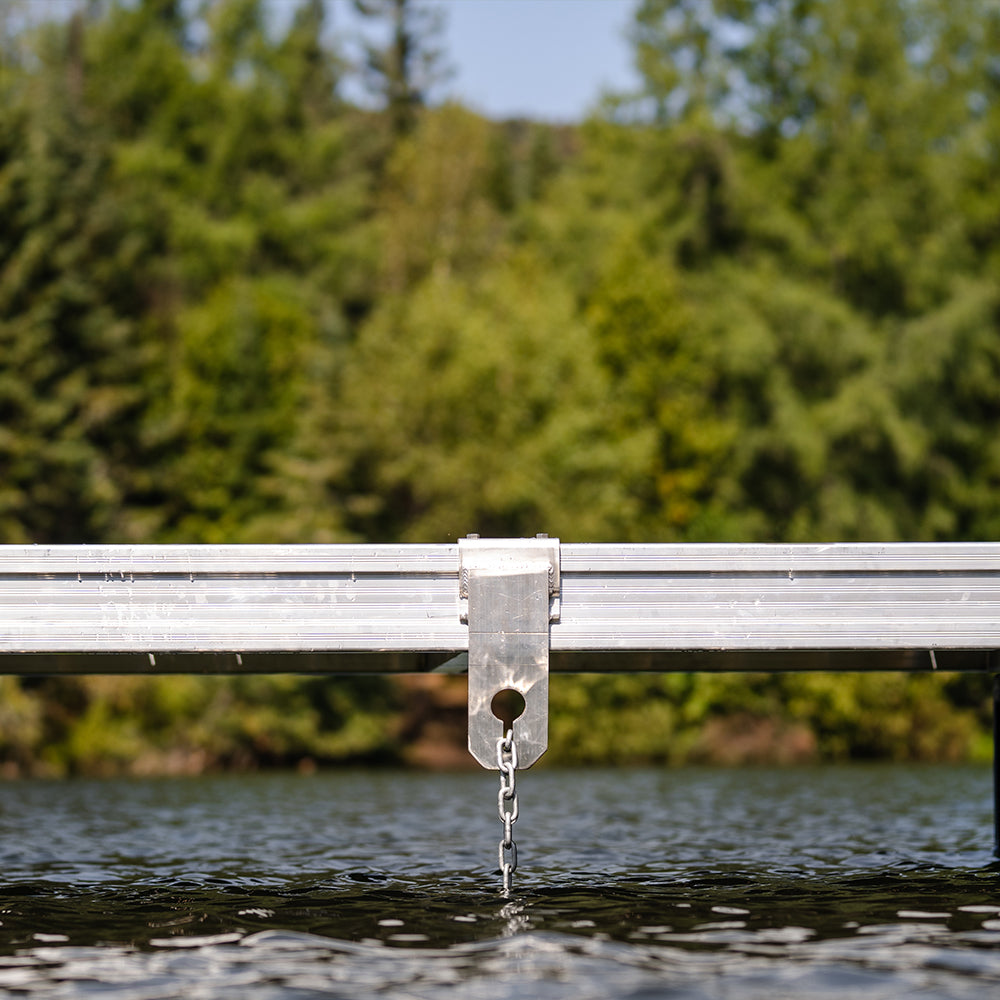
[509,595]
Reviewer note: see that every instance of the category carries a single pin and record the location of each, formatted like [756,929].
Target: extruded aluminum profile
[230,599]
[350,608]
[780,597]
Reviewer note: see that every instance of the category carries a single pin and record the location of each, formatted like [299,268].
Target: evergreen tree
[74,359]
[402,71]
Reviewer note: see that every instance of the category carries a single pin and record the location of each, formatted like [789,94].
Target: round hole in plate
[507,705]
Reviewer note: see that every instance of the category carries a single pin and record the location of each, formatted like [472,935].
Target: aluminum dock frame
[506,610]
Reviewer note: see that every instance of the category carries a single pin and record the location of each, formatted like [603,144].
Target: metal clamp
[509,593]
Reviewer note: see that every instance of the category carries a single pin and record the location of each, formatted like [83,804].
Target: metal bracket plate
[509,593]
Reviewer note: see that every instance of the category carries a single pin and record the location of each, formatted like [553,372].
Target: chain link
[507,806]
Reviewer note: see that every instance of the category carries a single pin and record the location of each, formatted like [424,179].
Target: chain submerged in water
[507,806]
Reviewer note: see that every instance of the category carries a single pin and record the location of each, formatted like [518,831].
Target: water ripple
[874,882]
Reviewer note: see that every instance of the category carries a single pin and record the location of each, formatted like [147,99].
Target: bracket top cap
[499,555]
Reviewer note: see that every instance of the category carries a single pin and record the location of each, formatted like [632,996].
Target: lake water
[871,882]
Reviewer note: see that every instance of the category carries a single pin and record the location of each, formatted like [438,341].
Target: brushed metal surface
[201,599]
[779,597]
[510,585]
[396,607]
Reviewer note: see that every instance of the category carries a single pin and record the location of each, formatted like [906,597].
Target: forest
[758,299]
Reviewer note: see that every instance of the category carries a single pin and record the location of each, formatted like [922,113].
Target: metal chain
[507,806]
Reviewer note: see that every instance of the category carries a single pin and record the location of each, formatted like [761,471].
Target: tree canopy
[756,300]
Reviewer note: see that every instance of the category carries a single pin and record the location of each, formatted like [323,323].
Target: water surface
[872,881]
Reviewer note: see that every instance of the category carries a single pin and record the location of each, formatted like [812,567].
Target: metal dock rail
[507,610]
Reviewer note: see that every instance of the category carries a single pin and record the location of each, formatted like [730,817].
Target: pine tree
[402,71]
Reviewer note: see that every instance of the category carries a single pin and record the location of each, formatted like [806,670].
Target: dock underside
[457,662]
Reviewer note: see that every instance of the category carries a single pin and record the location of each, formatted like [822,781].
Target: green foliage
[74,362]
[188,724]
[766,718]
[756,300]
[492,414]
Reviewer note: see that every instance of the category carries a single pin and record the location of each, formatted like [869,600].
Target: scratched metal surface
[395,608]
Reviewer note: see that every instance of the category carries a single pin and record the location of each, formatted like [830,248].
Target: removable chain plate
[509,592]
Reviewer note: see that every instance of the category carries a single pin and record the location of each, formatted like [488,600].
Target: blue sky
[542,59]
[545,59]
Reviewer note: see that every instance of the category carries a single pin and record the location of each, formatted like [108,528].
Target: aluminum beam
[780,597]
[350,608]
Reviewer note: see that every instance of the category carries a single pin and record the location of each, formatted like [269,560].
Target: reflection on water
[874,881]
